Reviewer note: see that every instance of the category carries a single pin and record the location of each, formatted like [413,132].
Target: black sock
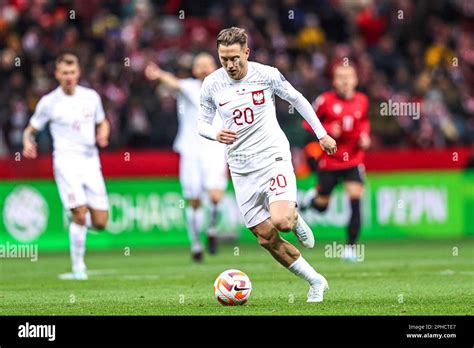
[320,208]
[354,222]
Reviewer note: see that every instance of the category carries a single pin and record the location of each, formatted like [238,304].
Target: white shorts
[257,190]
[198,174]
[80,184]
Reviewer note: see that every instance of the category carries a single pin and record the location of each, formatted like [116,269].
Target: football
[232,288]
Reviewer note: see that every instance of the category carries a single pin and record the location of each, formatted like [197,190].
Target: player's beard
[233,74]
[237,72]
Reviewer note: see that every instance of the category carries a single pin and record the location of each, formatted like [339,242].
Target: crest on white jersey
[87,111]
[258,97]
[337,108]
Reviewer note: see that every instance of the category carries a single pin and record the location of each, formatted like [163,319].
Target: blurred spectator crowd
[405,51]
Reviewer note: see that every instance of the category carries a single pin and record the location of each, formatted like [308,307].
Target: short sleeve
[41,115]
[99,110]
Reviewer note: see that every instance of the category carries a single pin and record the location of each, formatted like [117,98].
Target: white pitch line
[140,277]
[360,274]
[65,276]
[102,271]
[451,272]
[92,272]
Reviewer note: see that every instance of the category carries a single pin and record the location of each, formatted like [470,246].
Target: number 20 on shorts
[279,181]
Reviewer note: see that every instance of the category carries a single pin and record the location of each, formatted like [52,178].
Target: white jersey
[247,106]
[72,121]
[188,141]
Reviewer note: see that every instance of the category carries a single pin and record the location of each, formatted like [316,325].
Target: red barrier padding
[406,160]
[152,163]
[126,163]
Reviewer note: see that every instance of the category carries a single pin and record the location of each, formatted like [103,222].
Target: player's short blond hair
[230,36]
[67,58]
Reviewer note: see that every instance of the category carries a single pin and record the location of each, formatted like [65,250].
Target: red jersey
[351,117]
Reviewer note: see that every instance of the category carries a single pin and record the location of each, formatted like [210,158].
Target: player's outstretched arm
[102,133]
[29,144]
[154,73]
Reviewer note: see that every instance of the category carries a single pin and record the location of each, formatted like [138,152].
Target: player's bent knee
[79,219]
[321,204]
[99,221]
[79,216]
[216,196]
[355,195]
[283,224]
[100,225]
[194,203]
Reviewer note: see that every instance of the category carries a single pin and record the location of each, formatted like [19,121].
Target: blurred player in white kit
[202,166]
[258,151]
[77,123]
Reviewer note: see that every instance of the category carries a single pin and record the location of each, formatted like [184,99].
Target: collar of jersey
[249,65]
[65,94]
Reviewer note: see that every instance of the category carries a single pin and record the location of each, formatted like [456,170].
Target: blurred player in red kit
[344,113]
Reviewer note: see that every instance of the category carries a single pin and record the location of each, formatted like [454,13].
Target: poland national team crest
[258,98]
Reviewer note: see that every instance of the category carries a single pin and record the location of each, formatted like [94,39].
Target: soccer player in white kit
[258,151]
[77,122]
[202,165]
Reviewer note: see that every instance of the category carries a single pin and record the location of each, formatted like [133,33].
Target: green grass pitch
[396,278]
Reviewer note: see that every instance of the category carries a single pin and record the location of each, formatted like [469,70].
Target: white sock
[199,216]
[211,231]
[304,270]
[194,218]
[89,223]
[89,220]
[77,242]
